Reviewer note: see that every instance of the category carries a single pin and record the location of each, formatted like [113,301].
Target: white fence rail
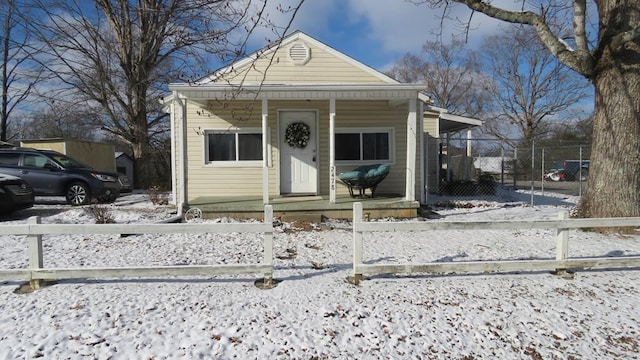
[561,262]
[36,272]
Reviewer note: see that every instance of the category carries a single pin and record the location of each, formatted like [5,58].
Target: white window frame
[364,130]
[234,163]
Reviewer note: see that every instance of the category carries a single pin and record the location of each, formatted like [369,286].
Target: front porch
[308,208]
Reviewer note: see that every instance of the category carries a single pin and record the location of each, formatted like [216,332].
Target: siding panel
[209,180]
[322,68]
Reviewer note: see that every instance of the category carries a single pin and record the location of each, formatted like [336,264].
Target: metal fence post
[542,173]
[515,167]
[36,261]
[580,174]
[268,245]
[533,169]
[502,164]
[357,242]
[562,247]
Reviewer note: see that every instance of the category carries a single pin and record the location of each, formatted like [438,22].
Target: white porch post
[411,150]
[174,148]
[182,200]
[423,154]
[332,150]
[265,151]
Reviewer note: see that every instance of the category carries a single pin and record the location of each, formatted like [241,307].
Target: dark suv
[54,174]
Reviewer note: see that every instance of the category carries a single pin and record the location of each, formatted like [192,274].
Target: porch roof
[298,91]
[453,123]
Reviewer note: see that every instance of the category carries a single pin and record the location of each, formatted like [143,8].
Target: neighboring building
[124,165]
[289,118]
[97,155]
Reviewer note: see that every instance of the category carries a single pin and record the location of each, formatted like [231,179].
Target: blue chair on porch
[364,177]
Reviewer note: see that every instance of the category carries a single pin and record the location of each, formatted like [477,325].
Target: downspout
[410,175]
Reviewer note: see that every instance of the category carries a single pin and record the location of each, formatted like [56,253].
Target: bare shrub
[157,196]
[101,214]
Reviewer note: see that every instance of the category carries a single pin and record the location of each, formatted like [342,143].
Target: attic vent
[299,53]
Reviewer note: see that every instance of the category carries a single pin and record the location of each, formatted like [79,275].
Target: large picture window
[364,145]
[228,147]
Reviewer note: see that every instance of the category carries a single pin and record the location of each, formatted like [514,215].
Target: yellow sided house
[280,127]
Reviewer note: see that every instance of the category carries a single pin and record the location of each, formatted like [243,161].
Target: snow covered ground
[314,313]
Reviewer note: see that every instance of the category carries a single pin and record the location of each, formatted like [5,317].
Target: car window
[68,162]
[36,161]
[9,159]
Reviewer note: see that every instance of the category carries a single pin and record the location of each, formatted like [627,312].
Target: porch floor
[309,208]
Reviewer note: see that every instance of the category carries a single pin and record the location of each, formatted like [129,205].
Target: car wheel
[554,177]
[78,194]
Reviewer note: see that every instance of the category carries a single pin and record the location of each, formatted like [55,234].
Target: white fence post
[36,261]
[357,242]
[268,245]
[562,247]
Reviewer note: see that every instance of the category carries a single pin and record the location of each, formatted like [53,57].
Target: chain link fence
[481,167]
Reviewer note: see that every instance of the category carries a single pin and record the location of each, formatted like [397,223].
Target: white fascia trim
[296,87]
[386,92]
[425,99]
[461,119]
[444,114]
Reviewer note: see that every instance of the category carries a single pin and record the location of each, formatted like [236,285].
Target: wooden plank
[562,243]
[36,260]
[155,271]
[494,225]
[357,244]
[22,229]
[15,274]
[497,266]
[197,228]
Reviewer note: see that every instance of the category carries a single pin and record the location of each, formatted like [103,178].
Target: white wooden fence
[36,272]
[561,262]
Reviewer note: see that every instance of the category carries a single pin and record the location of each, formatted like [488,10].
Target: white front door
[298,153]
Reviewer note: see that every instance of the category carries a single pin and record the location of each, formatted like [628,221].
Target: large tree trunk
[140,149]
[613,188]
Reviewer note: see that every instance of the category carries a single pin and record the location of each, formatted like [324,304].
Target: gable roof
[288,40]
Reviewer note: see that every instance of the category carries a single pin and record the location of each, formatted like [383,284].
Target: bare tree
[530,88]
[121,54]
[60,120]
[18,75]
[578,130]
[452,74]
[609,57]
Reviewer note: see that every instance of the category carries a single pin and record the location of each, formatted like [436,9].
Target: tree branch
[579,61]
[579,25]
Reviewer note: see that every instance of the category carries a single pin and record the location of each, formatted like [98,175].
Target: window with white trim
[364,145]
[238,147]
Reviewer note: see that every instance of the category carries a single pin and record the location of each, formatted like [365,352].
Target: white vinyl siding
[210,180]
[241,178]
[320,67]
